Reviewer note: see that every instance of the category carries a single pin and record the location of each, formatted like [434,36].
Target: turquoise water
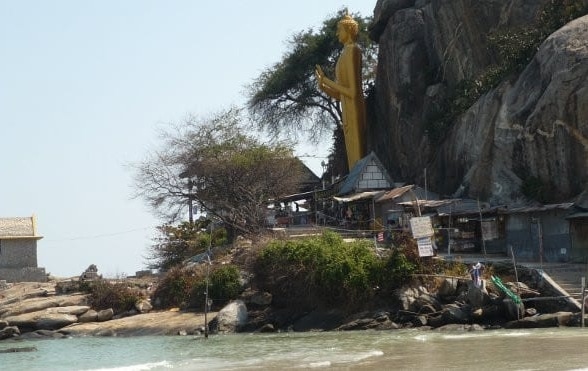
[546,349]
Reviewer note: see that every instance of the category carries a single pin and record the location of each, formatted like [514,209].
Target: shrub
[175,288]
[224,285]
[104,295]
[320,271]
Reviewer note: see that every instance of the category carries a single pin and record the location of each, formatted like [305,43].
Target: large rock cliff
[532,125]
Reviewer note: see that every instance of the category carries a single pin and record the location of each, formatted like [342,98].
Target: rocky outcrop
[152,323]
[533,124]
[444,305]
[35,311]
[48,319]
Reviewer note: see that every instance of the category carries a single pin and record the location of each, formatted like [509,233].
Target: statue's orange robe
[348,76]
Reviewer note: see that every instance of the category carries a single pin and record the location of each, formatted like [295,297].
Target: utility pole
[583,299]
[207,274]
[482,229]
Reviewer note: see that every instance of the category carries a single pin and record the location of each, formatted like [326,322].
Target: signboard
[421,227]
[425,246]
[489,230]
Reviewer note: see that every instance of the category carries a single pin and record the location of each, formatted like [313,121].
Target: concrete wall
[18,261]
[18,253]
[29,274]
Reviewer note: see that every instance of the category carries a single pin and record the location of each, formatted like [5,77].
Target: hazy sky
[86,85]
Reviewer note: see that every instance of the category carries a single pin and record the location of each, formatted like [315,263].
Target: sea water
[537,349]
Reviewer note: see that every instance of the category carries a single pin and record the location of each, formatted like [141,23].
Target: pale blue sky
[84,88]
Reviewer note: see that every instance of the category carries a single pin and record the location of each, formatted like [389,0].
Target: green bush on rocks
[116,295]
[326,271]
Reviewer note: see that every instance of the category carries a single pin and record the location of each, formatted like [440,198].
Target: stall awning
[581,215]
[358,196]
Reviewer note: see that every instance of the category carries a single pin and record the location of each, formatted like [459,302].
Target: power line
[99,235]
[306,155]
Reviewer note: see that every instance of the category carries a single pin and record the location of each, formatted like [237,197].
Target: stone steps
[568,277]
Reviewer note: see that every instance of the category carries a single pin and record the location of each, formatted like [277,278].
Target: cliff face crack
[576,134]
[450,46]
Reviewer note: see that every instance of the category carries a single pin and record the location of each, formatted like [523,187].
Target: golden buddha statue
[348,89]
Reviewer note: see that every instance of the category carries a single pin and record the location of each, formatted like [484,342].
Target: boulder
[143,306]
[455,314]
[268,327]
[257,298]
[67,287]
[419,321]
[477,296]
[425,300]
[42,320]
[27,306]
[460,327]
[448,288]
[90,316]
[319,320]
[75,310]
[18,350]
[8,332]
[232,317]
[409,293]
[543,320]
[488,312]
[427,309]
[358,324]
[71,300]
[375,320]
[436,321]
[43,334]
[105,315]
[36,304]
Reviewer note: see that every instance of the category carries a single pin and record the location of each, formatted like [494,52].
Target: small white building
[18,250]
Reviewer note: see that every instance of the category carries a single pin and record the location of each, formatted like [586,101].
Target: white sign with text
[421,227]
[425,246]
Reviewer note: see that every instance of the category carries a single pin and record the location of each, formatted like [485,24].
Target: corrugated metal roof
[532,209]
[427,203]
[358,196]
[420,193]
[464,207]
[394,193]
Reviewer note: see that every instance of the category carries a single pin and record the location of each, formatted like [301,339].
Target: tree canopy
[174,245]
[216,166]
[284,99]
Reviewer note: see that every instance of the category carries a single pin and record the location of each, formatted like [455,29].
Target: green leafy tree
[219,167]
[175,244]
[284,99]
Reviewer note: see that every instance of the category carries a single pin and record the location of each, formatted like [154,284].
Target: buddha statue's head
[349,25]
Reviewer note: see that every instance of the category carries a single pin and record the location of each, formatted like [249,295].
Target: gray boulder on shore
[231,318]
